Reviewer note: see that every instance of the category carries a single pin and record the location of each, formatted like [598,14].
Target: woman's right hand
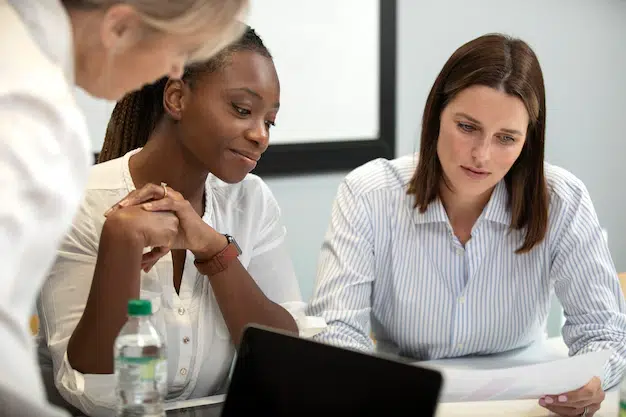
[137,227]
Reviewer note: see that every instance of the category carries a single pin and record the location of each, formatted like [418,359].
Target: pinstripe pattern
[385,265]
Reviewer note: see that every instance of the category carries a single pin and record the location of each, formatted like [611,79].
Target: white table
[520,408]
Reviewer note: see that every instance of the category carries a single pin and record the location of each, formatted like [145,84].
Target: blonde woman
[108,48]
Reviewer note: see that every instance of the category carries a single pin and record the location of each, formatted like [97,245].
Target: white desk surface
[520,408]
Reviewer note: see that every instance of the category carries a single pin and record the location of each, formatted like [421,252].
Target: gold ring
[164,185]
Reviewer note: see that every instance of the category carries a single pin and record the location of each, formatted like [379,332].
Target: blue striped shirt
[402,274]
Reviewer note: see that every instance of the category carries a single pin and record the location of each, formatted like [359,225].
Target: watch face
[234,242]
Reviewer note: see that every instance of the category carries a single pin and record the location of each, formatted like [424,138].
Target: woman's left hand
[584,401]
[194,234]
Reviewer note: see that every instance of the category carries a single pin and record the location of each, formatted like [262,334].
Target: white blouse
[44,159]
[200,351]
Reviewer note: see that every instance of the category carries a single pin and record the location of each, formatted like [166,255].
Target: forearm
[601,330]
[115,281]
[347,323]
[338,333]
[242,302]
[614,368]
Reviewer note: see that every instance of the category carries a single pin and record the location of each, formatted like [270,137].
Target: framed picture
[336,61]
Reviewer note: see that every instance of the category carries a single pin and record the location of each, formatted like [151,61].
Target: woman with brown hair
[456,251]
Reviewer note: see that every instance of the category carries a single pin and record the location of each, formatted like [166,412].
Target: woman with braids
[175,168]
[107,48]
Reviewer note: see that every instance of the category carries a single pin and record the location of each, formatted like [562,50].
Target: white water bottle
[140,365]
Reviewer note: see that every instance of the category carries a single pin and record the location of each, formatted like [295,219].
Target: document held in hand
[463,384]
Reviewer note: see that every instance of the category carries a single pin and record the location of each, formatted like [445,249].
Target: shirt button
[183,371]
[185,340]
[460,345]
[181,311]
[460,251]
[461,299]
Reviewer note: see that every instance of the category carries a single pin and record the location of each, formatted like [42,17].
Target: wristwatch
[221,260]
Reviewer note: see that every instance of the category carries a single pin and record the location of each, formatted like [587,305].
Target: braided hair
[136,115]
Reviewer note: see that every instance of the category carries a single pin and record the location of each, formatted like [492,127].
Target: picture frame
[348,153]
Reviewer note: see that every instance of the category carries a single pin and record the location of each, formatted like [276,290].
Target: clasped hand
[164,221]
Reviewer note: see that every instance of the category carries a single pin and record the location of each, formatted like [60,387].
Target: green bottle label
[143,368]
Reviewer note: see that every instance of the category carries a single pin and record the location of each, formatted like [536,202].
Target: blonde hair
[220,20]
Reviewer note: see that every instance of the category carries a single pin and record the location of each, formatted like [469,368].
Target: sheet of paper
[544,350]
[517,408]
[464,383]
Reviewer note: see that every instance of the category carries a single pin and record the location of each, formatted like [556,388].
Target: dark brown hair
[509,65]
[136,115]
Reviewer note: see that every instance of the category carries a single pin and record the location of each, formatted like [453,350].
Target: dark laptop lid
[280,375]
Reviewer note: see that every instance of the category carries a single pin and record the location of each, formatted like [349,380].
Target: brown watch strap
[219,262]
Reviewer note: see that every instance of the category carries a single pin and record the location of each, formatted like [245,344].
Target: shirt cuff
[308,326]
[92,394]
[613,369]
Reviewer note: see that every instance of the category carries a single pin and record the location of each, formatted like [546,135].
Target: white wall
[97,113]
[582,47]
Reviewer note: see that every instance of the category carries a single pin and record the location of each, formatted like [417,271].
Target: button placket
[459,331]
[185,347]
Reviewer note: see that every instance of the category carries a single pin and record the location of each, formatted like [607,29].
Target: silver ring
[585,410]
[164,185]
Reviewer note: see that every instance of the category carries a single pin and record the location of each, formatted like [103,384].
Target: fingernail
[542,402]
[123,203]
[106,213]
[147,206]
[549,400]
[562,398]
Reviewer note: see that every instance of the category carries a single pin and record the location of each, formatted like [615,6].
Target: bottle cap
[139,308]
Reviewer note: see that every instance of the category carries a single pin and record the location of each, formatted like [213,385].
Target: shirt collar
[497,209]
[435,213]
[51,29]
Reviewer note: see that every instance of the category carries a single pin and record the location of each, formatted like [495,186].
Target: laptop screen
[285,376]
